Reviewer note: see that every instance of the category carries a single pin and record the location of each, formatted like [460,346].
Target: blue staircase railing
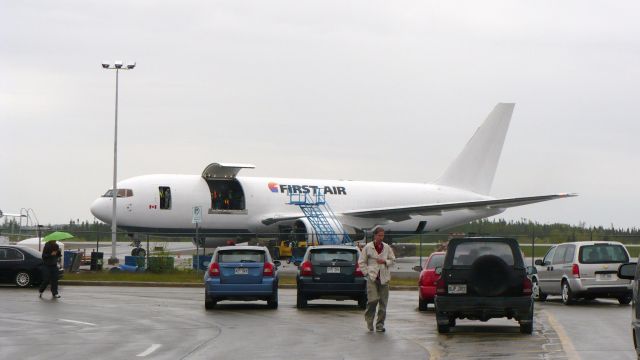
[328,229]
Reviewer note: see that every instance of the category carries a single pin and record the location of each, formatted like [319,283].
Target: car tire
[443,328]
[567,294]
[301,301]
[23,279]
[209,303]
[362,302]
[423,305]
[537,293]
[526,328]
[625,299]
[272,302]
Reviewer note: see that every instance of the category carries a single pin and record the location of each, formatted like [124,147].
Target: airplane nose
[101,209]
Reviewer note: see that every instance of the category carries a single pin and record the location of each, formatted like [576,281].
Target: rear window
[435,261]
[467,252]
[334,255]
[603,253]
[236,256]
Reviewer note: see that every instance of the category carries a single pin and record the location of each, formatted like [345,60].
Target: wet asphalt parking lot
[171,323]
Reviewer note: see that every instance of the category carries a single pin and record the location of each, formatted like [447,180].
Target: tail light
[575,270]
[306,269]
[268,269]
[527,286]
[358,272]
[214,269]
[440,286]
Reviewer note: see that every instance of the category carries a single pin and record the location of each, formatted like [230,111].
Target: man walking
[375,261]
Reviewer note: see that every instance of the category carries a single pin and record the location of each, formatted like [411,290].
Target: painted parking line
[77,322]
[151,349]
[566,342]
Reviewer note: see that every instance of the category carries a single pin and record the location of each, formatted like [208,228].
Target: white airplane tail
[476,165]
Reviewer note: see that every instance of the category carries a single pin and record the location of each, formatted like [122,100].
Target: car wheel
[526,328]
[538,295]
[422,304]
[362,302]
[301,301]
[443,329]
[625,299]
[272,302]
[23,279]
[209,303]
[567,295]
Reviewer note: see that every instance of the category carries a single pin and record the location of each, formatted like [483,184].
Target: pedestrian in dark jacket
[50,255]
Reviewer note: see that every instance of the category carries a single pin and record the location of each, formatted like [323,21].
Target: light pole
[117,66]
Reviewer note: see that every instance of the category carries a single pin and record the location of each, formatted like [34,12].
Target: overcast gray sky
[362,90]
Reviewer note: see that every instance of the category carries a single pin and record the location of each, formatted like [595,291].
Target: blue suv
[245,273]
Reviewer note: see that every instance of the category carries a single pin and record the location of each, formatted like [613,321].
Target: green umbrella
[58,235]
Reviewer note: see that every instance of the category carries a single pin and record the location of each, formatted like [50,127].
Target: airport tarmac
[171,323]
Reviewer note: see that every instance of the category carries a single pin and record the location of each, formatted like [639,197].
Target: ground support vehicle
[331,272]
[244,273]
[583,269]
[483,278]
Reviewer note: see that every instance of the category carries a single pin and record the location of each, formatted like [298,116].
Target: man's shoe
[40,295]
[57,296]
[380,329]
[370,327]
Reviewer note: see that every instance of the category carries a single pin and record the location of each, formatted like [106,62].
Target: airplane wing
[405,212]
[401,213]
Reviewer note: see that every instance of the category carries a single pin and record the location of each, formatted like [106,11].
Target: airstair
[328,229]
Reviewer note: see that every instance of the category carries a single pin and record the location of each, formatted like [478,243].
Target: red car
[428,278]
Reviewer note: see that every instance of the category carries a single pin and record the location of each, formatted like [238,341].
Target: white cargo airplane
[236,206]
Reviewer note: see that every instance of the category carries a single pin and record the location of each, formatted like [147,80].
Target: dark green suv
[483,278]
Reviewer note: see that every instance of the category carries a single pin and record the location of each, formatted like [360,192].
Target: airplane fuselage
[141,208]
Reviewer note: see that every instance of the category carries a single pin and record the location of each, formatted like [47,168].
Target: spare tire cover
[490,276]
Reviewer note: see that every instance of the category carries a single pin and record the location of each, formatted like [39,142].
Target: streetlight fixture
[117,66]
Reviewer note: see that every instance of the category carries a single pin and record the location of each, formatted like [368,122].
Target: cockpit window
[121,193]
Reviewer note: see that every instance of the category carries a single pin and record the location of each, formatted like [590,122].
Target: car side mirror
[531,270]
[277,263]
[439,270]
[538,262]
[627,271]
[417,268]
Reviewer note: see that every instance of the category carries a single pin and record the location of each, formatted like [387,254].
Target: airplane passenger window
[165,197]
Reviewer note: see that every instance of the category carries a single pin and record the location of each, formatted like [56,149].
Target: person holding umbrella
[50,255]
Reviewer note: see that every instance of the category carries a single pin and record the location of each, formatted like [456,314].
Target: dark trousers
[49,275]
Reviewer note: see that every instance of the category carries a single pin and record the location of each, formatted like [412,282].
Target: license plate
[458,289]
[604,277]
[241,271]
[333,270]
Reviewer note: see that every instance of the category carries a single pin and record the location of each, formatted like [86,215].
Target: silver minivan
[584,269]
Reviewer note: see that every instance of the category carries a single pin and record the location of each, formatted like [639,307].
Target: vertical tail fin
[476,165]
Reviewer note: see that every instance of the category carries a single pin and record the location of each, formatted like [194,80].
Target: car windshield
[436,261]
[467,252]
[334,255]
[603,253]
[236,256]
